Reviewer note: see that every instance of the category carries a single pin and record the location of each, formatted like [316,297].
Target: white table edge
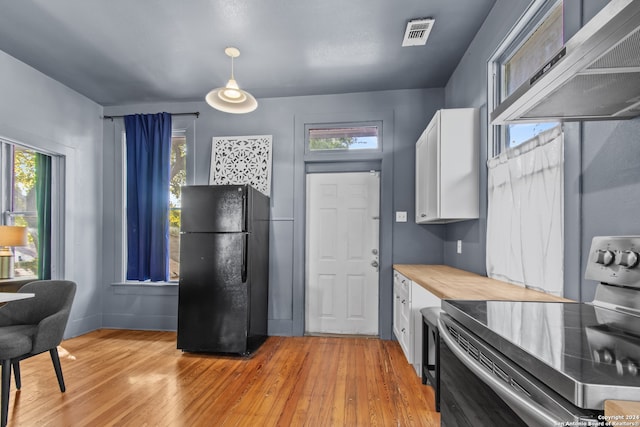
[14,296]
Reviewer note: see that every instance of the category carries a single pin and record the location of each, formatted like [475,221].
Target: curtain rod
[195,113]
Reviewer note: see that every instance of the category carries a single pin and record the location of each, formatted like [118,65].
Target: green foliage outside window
[333,143]
[24,169]
[23,200]
[177,178]
[343,138]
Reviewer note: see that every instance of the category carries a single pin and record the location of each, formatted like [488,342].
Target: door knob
[374,263]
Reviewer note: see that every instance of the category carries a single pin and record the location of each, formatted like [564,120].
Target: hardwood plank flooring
[139,378]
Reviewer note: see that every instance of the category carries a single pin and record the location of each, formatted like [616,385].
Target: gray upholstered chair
[32,326]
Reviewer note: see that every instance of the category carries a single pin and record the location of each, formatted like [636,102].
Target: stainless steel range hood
[596,75]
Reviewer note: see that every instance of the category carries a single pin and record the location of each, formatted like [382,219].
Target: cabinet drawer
[403,284]
[405,312]
[404,340]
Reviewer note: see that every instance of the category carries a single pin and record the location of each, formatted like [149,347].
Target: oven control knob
[630,365]
[627,259]
[604,257]
[603,356]
[620,365]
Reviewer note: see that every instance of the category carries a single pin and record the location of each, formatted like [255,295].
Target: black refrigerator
[224,269]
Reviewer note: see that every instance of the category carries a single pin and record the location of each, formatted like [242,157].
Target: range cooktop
[585,353]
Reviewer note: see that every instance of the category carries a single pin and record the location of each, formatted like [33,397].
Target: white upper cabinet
[447,167]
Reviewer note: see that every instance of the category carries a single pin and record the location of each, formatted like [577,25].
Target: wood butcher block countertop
[622,411]
[451,283]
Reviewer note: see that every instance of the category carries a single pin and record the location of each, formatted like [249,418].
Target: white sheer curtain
[525,214]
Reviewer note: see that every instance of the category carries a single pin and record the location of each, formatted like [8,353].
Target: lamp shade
[220,99]
[230,98]
[13,235]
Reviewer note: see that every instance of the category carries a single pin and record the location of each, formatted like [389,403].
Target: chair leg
[16,373]
[6,384]
[56,365]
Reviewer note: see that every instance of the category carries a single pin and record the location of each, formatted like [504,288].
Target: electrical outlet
[401,216]
[459,248]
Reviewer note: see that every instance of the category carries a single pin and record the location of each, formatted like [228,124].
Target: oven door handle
[531,412]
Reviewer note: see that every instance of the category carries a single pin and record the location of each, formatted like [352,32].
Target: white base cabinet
[408,299]
[402,312]
[447,156]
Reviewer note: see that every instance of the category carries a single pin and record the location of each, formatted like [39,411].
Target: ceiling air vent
[417,32]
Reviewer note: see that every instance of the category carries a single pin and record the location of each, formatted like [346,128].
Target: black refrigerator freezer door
[214,208]
[213,300]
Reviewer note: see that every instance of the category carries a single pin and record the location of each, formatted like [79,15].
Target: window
[25,173]
[525,187]
[177,179]
[529,48]
[534,52]
[520,133]
[327,137]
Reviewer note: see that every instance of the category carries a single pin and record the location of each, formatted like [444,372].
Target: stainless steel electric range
[546,363]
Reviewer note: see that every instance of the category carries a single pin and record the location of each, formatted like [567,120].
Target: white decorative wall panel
[242,160]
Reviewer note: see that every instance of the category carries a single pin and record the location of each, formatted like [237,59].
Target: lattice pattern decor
[242,160]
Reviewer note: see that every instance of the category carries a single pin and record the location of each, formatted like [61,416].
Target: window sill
[148,284]
[145,288]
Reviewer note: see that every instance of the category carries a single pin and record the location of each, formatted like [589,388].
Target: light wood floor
[139,378]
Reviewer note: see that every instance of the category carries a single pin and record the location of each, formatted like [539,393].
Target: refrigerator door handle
[244,212]
[245,256]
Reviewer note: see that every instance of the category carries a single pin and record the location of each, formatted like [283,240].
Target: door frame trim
[303,164]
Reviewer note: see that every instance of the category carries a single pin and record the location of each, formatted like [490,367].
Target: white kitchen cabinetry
[447,167]
[402,312]
[408,299]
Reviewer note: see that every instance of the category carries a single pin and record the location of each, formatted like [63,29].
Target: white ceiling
[131,51]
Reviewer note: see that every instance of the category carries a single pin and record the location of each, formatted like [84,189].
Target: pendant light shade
[231,99]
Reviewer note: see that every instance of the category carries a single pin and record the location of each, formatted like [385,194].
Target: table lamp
[10,235]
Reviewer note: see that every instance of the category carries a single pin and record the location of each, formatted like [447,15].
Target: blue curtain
[43,203]
[148,166]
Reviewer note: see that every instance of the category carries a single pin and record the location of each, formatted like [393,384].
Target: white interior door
[342,253]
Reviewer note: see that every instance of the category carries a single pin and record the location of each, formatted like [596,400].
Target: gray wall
[610,184]
[602,159]
[405,113]
[41,113]
[468,88]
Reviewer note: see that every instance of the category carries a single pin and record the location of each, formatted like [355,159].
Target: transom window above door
[354,137]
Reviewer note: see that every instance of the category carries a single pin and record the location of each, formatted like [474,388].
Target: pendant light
[231,99]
